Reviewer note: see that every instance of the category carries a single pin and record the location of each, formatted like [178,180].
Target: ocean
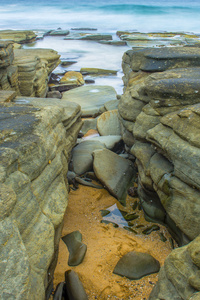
[107,16]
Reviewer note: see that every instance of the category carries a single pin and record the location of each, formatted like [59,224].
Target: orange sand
[105,246]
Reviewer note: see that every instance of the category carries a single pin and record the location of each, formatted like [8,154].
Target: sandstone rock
[6,53]
[97,71]
[7,96]
[82,159]
[34,194]
[34,66]
[54,94]
[108,123]
[72,78]
[14,261]
[113,171]
[58,32]
[112,104]
[90,98]
[161,59]
[135,265]
[88,36]
[89,124]
[174,277]
[113,43]
[109,141]
[18,36]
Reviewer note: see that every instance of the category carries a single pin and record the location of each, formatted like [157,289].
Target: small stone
[77,249]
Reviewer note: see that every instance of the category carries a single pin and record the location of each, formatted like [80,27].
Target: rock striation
[160,114]
[36,139]
[26,71]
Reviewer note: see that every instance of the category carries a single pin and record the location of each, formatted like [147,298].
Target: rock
[74,287]
[113,171]
[90,98]
[14,261]
[7,96]
[88,36]
[60,291]
[114,43]
[77,249]
[34,195]
[97,71]
[67,63]
[84,28]
[6,53]
[34,66]
[50,56]
[72,78]
[89,124]
[109,141]
[82,159]
[54,94]
[112,104]
[177,274]
[161,59]
[108,123]
[135,265]
[58,32]
[18,36]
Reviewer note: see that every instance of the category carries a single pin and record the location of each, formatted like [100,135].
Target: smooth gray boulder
[108,123]
[113,171]
[82,159]
[135,265]
[110,141]
[90,98]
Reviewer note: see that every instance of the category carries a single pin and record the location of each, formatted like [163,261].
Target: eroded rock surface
[159,114]
[35,146]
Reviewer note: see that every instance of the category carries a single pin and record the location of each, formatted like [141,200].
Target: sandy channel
[105,246]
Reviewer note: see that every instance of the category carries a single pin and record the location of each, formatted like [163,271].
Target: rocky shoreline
[151,129]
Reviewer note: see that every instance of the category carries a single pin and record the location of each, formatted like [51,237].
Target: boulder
[90,98]
[113,171]
[110,141]
[108,123]
[135,265]
[72,78]
[179,275]
[82,159]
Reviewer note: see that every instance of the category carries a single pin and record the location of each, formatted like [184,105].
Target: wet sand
[105,246]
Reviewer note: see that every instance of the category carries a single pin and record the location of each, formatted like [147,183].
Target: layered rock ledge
[26,71]
[160,114]
[35,143]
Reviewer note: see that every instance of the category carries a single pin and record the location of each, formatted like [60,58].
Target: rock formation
[36,141]
[26,70]
[160,114]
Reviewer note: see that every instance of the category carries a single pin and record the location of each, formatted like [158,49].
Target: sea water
[107,17]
